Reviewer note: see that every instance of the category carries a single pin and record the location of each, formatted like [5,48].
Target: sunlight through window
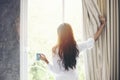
[44,16]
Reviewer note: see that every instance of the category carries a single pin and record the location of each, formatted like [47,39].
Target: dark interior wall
[9,40]
[119,36]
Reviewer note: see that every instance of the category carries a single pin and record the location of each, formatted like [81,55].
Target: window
[44,16]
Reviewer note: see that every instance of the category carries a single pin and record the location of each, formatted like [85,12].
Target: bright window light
[44,16]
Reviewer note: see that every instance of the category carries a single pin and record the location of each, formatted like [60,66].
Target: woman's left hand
[43,57]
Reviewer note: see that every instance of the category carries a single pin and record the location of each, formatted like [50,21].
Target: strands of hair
[67,46]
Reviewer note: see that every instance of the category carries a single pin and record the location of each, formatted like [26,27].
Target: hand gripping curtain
[102,62]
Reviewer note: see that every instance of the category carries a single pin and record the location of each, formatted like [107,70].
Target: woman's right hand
[99,31]
[102,19]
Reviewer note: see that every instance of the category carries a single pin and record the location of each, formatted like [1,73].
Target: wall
[119,36]
[9,40]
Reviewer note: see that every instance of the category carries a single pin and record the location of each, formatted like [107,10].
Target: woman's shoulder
[54,49]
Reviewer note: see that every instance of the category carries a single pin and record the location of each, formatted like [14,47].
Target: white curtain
[102,62]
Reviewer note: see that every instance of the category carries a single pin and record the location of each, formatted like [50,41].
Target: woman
[66,51]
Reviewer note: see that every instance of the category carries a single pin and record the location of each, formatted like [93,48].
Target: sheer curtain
[102,62]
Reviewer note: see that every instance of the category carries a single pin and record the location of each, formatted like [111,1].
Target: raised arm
[99,31]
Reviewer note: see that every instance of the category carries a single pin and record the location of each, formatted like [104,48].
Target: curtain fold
[102,62]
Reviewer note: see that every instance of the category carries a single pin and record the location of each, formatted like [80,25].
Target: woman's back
[58,67]
[59,71]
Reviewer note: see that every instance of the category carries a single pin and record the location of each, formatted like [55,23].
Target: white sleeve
[86,44]
[53,67]
[50,67]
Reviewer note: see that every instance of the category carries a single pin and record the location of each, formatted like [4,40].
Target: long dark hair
[67,46]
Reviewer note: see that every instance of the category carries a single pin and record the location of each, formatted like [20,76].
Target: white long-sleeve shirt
[58,69]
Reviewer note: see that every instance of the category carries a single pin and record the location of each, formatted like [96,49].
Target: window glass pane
[44,17]
[73,15]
